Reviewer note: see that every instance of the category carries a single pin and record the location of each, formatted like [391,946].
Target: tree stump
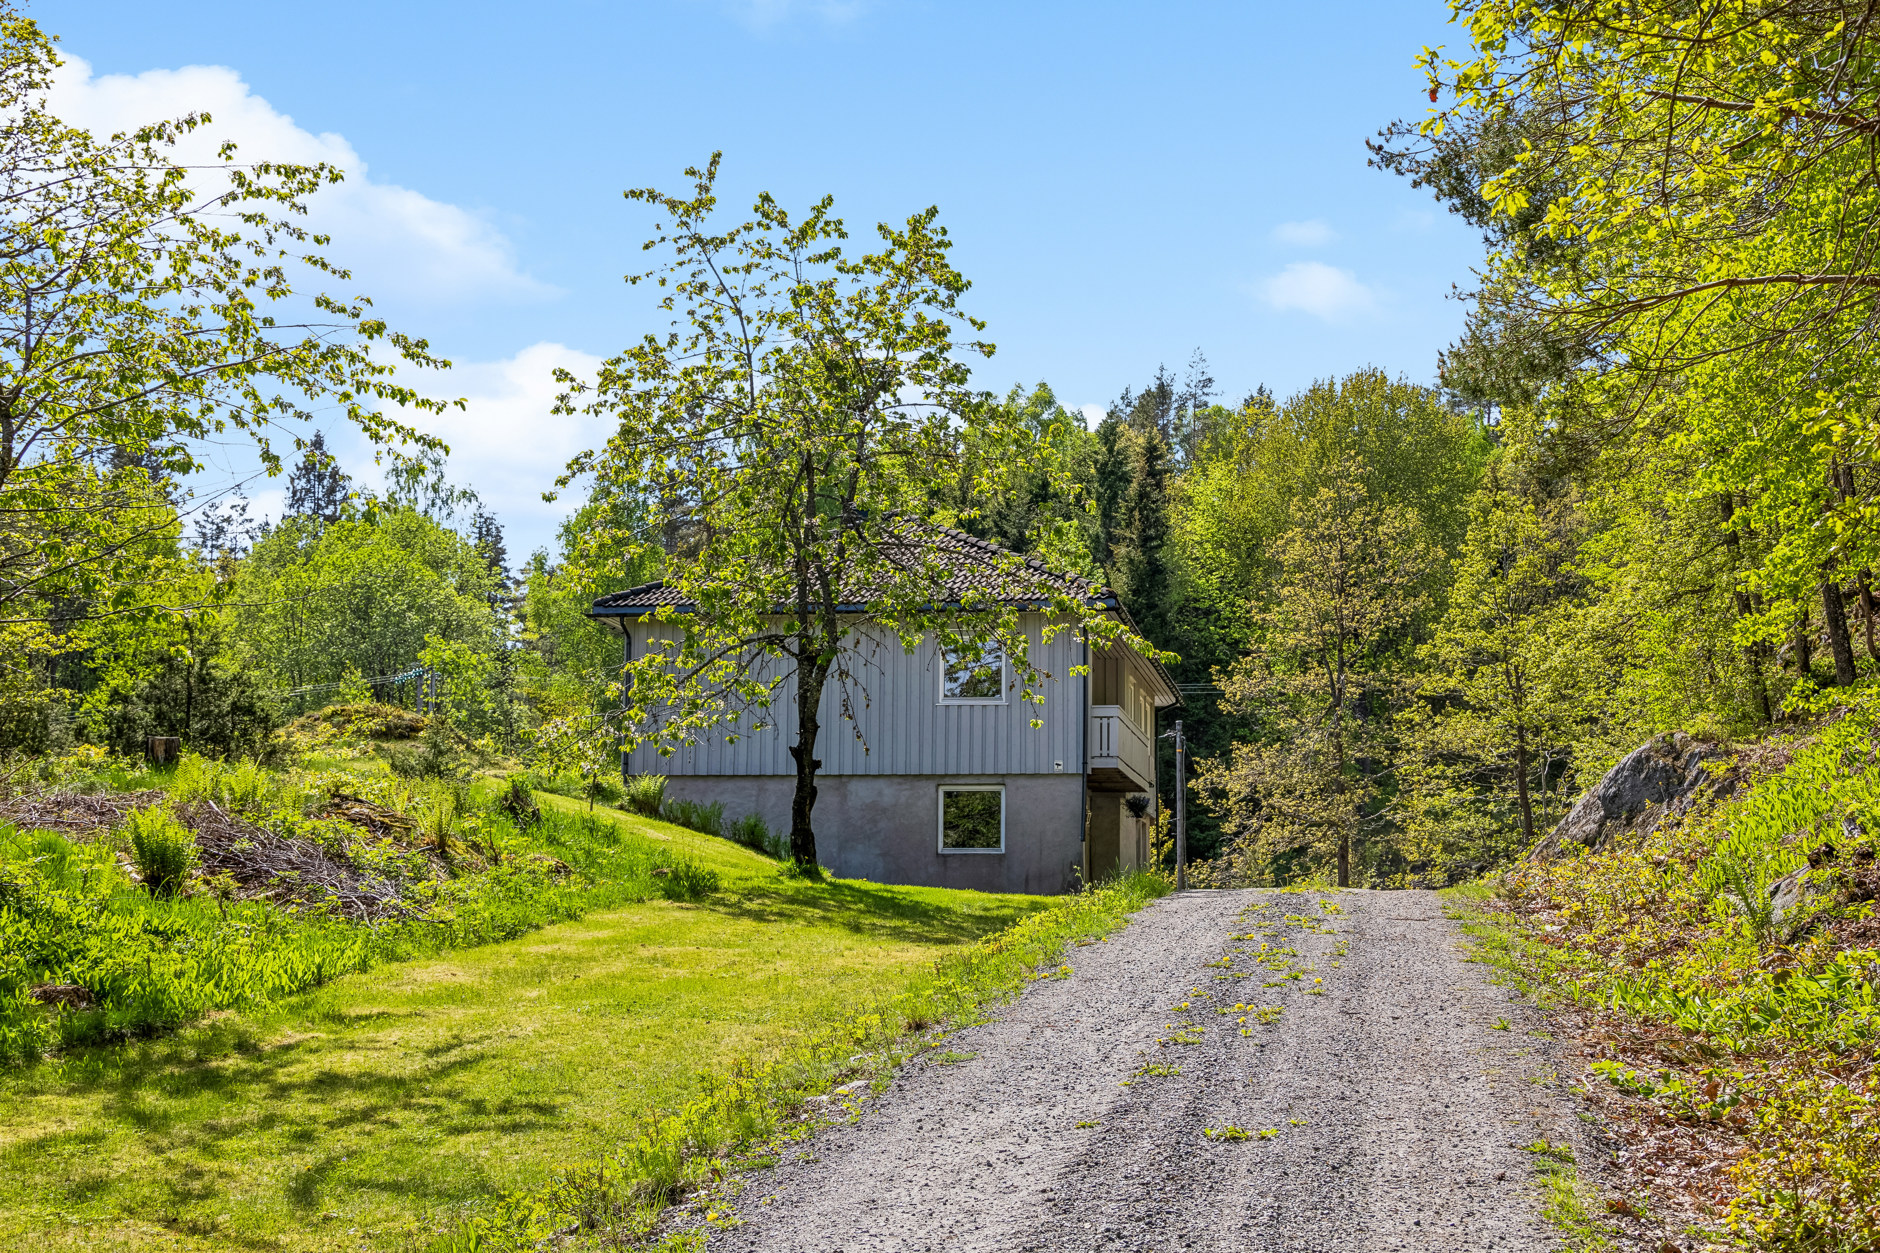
[163,750]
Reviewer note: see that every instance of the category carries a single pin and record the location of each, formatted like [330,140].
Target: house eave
[1023,606]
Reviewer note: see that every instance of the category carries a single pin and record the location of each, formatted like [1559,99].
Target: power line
[310,689]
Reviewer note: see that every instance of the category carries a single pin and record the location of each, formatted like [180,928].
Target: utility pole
[1181,804]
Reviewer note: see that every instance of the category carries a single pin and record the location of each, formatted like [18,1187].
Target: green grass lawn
[380,1109]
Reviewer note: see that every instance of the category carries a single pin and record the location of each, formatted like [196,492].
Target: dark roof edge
[643,611]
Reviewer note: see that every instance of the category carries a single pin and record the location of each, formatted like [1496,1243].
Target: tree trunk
[810,678]
[1521,783]
[189,685]
[1804,657]
[1834,613]
[1338,739]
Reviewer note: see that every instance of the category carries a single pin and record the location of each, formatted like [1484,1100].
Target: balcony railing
[1117,744]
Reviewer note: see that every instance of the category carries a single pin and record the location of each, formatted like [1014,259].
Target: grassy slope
[382,1105]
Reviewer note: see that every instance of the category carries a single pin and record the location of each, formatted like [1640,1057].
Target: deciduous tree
[1352,579]
[805,415]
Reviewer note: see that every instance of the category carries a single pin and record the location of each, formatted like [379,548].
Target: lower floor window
[972,820]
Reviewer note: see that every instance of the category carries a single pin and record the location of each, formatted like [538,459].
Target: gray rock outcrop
[1664,776]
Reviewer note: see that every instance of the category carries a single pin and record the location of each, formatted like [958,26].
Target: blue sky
[1125,183]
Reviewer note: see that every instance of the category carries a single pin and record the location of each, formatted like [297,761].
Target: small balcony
[1122,759]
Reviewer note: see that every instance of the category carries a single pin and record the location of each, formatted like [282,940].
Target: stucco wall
[886,827]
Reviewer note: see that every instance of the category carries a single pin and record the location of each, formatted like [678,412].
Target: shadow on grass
[875,910]
[762,893]
[161,1091]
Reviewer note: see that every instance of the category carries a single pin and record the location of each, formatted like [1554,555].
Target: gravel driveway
[1381,1108]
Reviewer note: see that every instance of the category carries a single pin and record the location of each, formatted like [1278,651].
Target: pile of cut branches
[377,820]
[75,815]
[288,870]
[262,864]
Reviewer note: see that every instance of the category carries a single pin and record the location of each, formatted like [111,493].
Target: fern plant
[646,794]
[706,819]
[163,849]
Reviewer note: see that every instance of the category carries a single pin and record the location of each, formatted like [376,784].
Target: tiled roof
[969,564]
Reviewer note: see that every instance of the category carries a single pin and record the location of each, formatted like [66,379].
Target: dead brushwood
[266,865]
[377,820]
[76,815]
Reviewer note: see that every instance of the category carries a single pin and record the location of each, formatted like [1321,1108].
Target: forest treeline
[1409,633]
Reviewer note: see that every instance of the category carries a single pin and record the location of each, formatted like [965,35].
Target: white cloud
[1320,290]
[506,444]
[1312,233]
[1093,414]
[392,238]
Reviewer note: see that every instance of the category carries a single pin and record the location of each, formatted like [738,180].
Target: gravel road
[1382,1107]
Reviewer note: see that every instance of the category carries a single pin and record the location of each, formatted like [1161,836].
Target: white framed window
[972,818]
[973,674]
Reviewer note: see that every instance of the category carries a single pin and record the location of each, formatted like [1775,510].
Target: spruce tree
[1141,564]
[486,533]
[1110,477]
[317,487]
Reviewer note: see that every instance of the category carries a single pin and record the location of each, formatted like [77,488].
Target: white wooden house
[941,779]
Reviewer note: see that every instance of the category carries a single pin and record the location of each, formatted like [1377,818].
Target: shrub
[645,794]
[367,719]
[245,785]
[602,789]
[445,804]
[752,832]
[163,848]
[707,819]
[686,880]
[1813,1181]
[433,756]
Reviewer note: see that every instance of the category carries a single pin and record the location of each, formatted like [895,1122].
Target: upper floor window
[973,673]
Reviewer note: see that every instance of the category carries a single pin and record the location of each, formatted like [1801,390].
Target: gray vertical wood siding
[904,727]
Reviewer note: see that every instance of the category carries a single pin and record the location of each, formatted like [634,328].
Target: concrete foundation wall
[886,828]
